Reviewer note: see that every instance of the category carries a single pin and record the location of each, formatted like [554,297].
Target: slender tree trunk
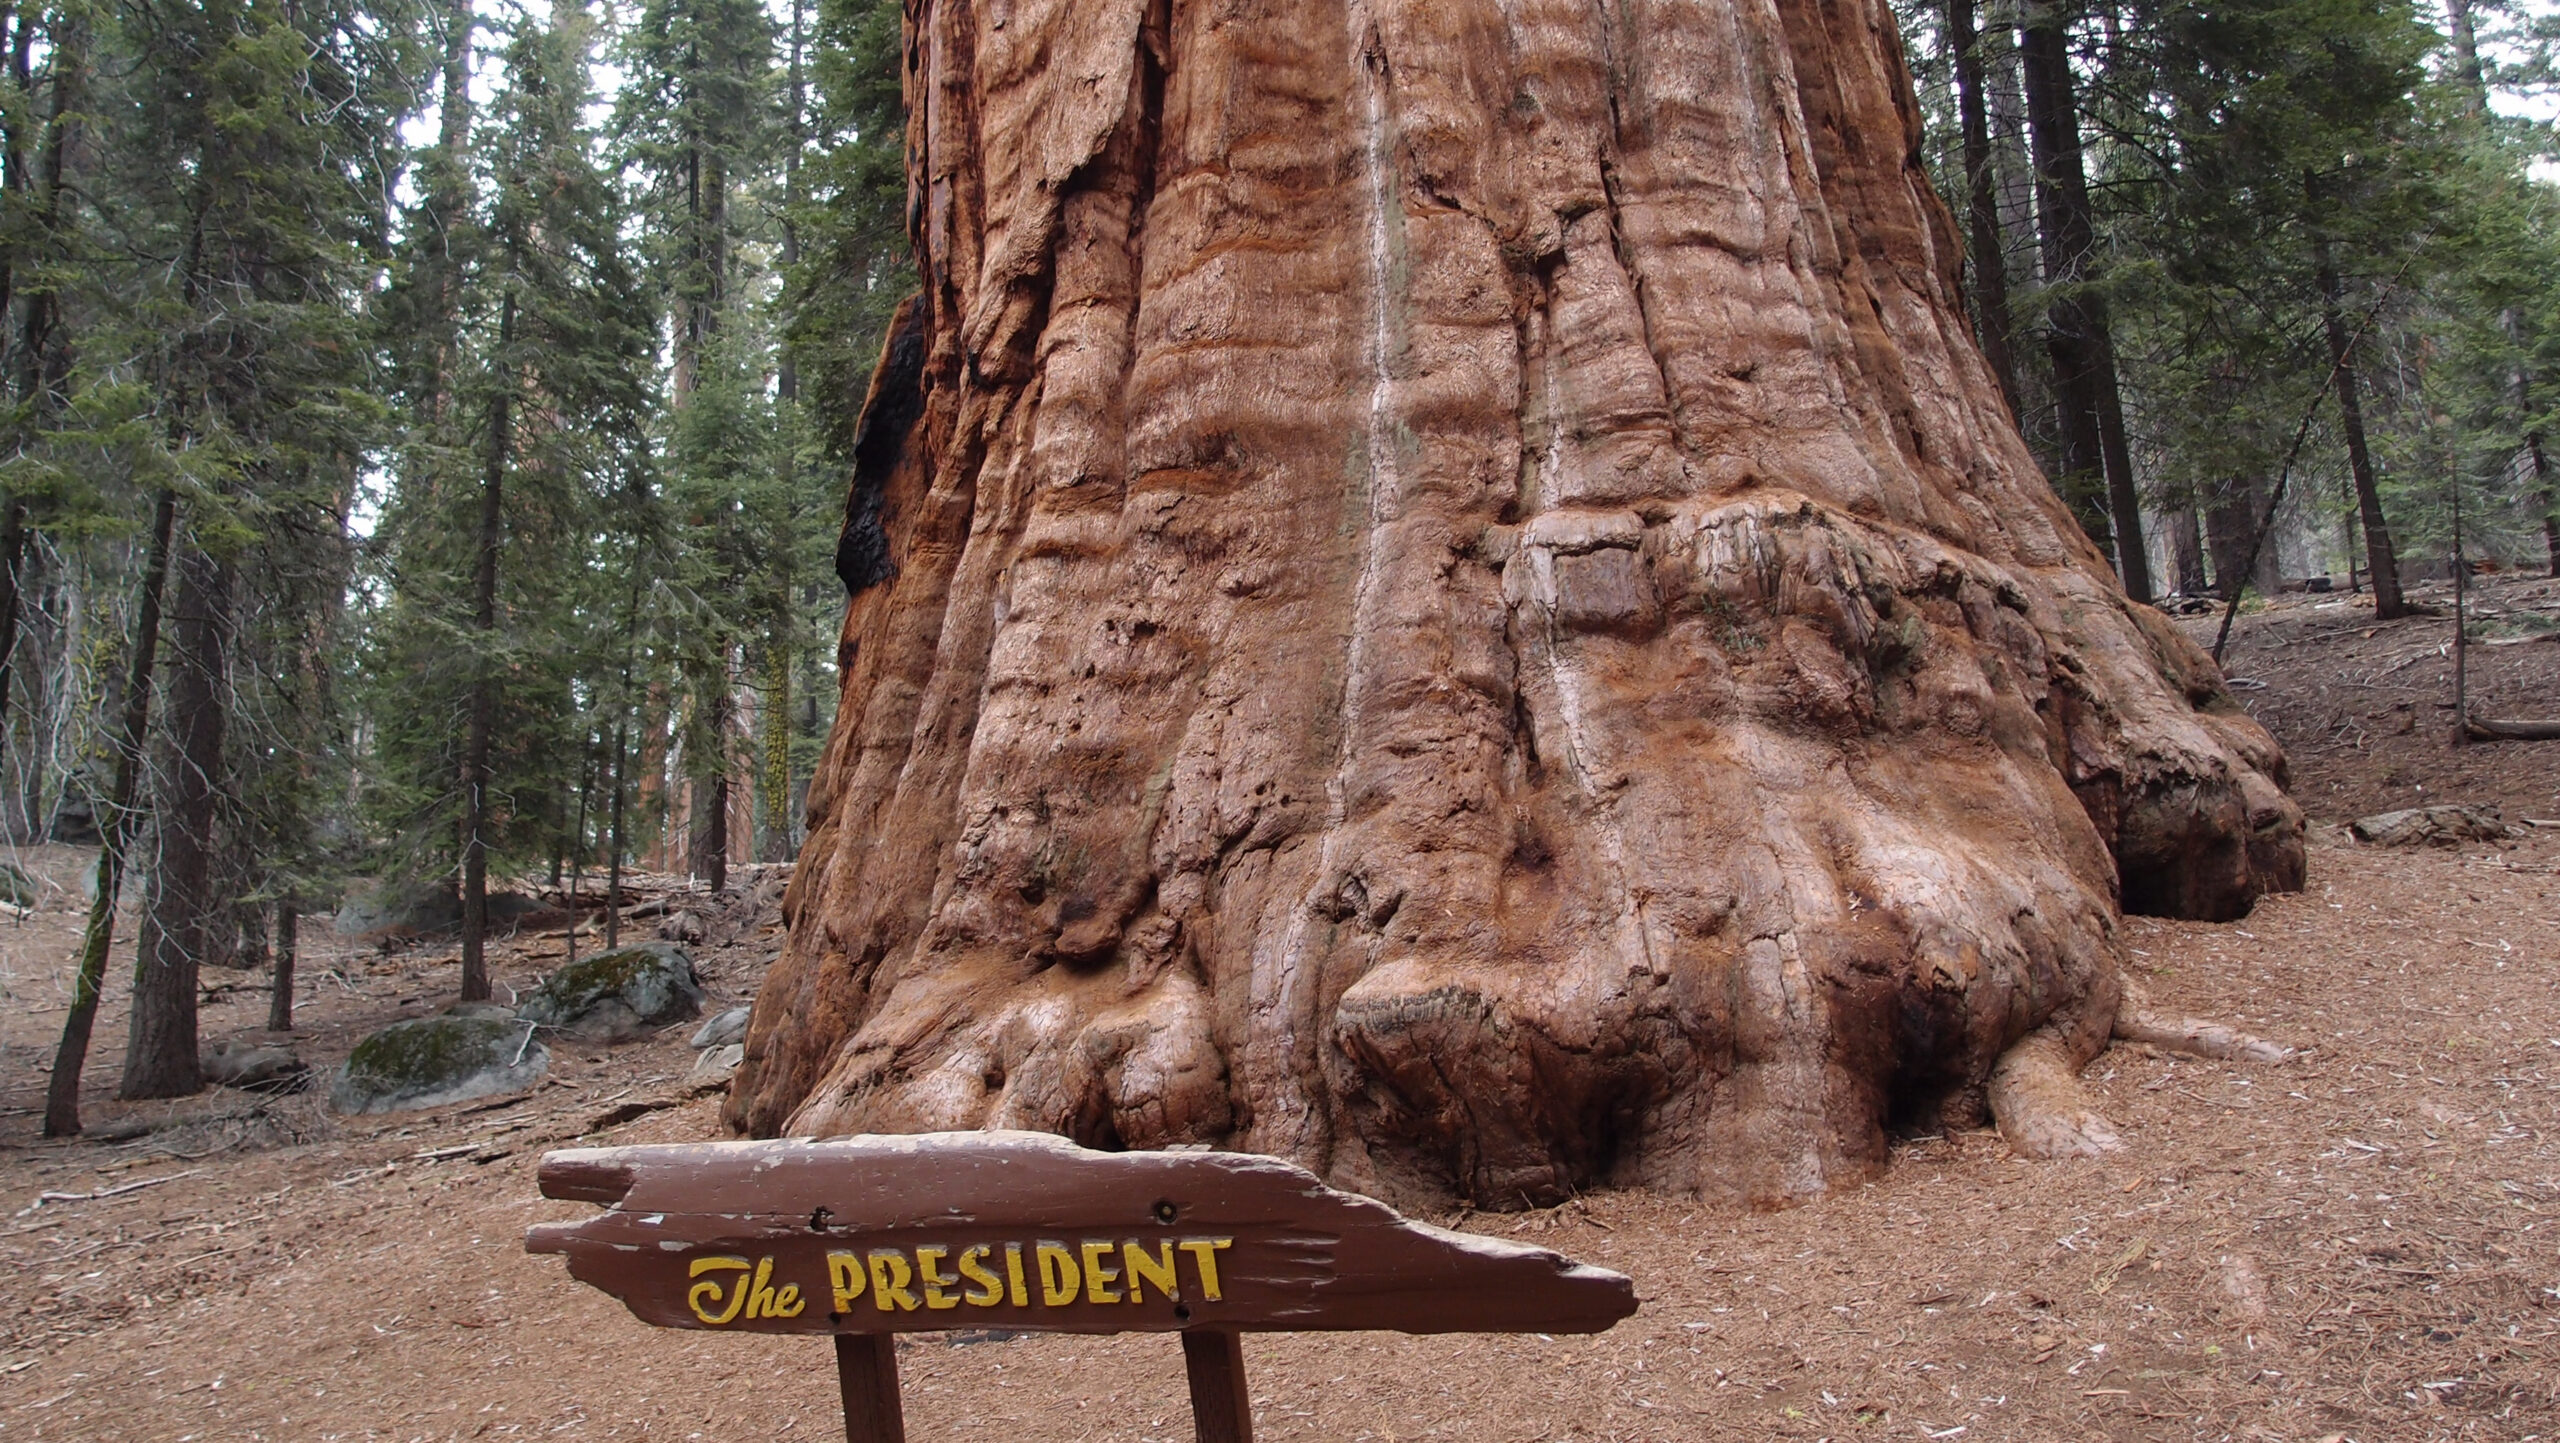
[2385,568]
[2461,616]
[448,199]
[578,842]
[2186,540]
[2231,530]
[481,716]
[13,550]
[2083,353]
[288,938]
[2466,54]
[2546,489]
[613,859]
[713,861]
[37,306]
[115,835]
[773,786]
[160,1050]
[1982,208]
[2550,491]
[250,923]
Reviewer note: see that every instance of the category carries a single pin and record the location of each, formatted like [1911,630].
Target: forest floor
[2359,1243]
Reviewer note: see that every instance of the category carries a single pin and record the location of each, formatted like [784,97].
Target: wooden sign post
[863,1238]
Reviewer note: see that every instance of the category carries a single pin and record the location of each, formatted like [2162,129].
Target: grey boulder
[2431,826]
[712,1068]
[619,995]
[254,1067]
[394,911]
[728,1027]
[430,1061]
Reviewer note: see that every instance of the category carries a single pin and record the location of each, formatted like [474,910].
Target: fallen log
[2512,731]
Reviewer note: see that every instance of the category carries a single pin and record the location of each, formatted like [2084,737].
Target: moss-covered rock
[618,995]
[430,1061]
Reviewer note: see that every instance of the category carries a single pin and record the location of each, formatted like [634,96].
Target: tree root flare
[2136,1022]
[2036,1097]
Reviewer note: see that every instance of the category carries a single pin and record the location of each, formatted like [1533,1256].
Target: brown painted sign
[1028,1231]
[863,1237]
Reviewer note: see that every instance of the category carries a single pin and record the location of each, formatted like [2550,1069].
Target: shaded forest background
[427,426]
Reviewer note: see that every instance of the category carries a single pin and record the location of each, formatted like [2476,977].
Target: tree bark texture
[160,1048]
[1989,272]
[2080,342]
[483,704]
[2387,601]
[116,828]
[2548,491]
[1441,590]
[288,947]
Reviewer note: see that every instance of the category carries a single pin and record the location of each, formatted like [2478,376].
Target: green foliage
[2236,150]
[858,266]
[545,312]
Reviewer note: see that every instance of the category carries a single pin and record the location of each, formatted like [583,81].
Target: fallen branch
[105,1192]
[2512,731]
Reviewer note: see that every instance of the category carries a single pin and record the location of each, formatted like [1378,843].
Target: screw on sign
[865,1237]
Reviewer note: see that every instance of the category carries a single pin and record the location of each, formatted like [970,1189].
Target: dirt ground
[2359,1243]
[2365,708]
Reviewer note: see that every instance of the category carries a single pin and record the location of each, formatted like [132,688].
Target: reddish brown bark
[1441,590]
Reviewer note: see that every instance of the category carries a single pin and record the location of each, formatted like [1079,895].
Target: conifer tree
[484,625]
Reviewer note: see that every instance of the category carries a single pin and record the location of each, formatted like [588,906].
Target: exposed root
[2136,1022]
[2035,1096]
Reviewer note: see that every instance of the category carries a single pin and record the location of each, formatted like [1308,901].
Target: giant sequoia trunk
[1440,589]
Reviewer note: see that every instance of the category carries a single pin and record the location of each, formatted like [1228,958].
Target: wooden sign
[865,1237]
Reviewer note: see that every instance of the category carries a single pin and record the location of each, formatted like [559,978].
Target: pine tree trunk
[2548,489]
[115,828]
[1441,590]
[773,783]
[2083,351]
[288,942]
[39,354]
[2466,54]
[1990,256]
[13,550]
[711,857]
[447,178]
[480,715]
[2186,541]
[2384,567]
[160,1048]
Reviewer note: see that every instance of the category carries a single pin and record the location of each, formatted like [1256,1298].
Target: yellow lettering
[889,1277]
[928,1271]
[787,1302]
[709,1293]
[1013,1274]
[844,1277]
[984,1290]
[1059,1280]
[1099,1274]
[760,1297]
[1204,1256]
[1156,1269]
